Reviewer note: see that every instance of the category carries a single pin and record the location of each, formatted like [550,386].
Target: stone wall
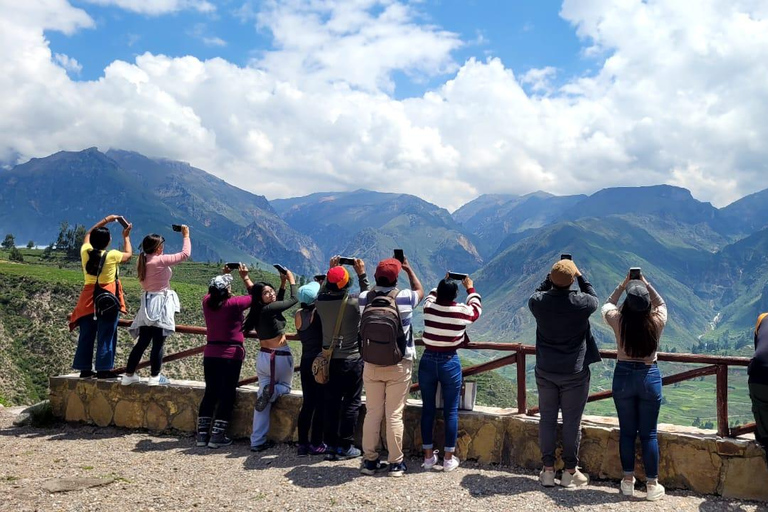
[690,458]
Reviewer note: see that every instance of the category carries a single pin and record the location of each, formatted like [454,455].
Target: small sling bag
[321,364]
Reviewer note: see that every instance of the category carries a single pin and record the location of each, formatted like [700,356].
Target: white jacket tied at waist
[158,309]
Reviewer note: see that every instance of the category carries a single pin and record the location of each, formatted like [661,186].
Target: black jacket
[564,342]
[758,366]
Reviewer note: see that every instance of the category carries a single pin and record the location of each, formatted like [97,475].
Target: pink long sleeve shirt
[158,277]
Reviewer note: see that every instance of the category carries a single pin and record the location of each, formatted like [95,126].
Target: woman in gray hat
[637,324]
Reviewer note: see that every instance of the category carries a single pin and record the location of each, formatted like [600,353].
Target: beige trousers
[386,389]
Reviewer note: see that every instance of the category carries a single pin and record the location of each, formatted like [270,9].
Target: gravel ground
[161,473]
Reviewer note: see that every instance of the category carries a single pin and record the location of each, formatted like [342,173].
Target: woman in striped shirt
[445,323]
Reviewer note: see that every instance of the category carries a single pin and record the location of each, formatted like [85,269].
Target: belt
[275,351]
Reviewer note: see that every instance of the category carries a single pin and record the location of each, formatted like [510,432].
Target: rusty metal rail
[716,365]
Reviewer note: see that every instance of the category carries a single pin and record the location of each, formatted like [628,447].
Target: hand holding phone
[280,268]
[343,260]
[566,256]
[634,273]
[319,278]
[399,255]
[122,221]
[233,265]
[176,227]
[457,276]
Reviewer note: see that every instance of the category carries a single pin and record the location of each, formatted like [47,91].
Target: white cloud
[200,31]
[158,7]
[214,41]
[679,97]
[68,63]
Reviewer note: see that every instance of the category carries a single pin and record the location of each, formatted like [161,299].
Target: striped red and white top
[445,325]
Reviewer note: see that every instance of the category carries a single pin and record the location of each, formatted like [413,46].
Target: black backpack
[382,338]
[105,303]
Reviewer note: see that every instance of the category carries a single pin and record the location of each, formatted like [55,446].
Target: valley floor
[140,471]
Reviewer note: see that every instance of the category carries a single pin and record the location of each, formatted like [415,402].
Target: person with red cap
[340,320]
[388,351]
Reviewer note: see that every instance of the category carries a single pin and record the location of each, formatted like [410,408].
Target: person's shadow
[315,477]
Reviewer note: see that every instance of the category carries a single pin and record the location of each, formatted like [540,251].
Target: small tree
[9,242]
[16,255]
[30,244]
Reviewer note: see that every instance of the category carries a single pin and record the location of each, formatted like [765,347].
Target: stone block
[186,420]
[740,474]
[100,410]
[688,462]
[156,418]
[75,410]
[128,414]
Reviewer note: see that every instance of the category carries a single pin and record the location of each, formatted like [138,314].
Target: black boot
[219,434]
[203,430]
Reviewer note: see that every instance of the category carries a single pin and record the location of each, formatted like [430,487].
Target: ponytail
[149,245]
[100,239]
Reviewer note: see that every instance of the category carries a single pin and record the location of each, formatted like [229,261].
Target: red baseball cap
[389,269]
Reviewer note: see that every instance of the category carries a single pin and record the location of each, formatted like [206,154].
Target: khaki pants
[386,389]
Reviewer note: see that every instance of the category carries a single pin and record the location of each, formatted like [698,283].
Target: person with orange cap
[340,319]
[564,350]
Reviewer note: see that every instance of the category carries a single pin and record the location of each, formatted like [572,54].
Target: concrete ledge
[690,458]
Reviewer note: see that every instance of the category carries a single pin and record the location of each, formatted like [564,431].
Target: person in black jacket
[564,350]
[758,381]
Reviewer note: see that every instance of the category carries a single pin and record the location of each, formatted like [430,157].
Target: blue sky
[523,34]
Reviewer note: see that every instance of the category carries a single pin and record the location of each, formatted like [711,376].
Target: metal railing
[716,365]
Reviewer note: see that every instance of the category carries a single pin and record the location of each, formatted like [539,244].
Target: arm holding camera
[186,250]
[413,280]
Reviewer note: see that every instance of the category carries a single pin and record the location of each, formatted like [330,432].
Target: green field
[36,297]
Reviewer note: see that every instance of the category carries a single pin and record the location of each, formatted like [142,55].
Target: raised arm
[103,222]
[413,280]
[186,251]
[280,304]
[127,249]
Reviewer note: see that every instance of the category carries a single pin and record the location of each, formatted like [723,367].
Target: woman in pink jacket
[155,319]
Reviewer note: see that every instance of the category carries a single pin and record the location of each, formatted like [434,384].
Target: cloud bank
[678,96]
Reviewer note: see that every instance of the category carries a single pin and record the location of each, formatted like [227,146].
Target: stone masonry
[690,458]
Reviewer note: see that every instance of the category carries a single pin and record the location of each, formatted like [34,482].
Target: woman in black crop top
[274,363]
[311,334]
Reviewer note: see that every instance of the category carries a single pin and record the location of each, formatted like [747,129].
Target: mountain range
[710,264]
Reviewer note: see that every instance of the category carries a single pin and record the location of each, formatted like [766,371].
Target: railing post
[722,400]
[522,404]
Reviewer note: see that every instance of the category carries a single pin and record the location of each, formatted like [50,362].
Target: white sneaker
[450,464]
[160,380]
[628,487]
[127,380]
[577,479]
[655,492]
[431,462]
[547,478]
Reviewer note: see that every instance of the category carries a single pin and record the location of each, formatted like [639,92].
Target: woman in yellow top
[102,329]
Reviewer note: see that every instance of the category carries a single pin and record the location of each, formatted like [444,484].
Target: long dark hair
[217,297]
[148,246]
[100,239]
[252,320]
[638,335]
[447,291]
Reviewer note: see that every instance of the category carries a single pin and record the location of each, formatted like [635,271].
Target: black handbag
[105,303]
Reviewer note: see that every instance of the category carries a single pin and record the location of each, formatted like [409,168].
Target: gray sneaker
[547,478]
[577,479]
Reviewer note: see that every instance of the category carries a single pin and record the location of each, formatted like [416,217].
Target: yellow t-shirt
[114,257]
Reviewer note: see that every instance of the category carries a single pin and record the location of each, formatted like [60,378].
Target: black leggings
[311,414]
[221,378]
[147,335]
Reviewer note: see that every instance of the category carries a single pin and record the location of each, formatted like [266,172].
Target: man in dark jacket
[758,381]
[564,350]
[345,383]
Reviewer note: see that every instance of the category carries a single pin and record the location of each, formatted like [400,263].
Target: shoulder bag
[105,303]
[321,364]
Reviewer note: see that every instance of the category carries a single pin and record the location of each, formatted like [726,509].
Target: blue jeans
[283,378]
[104,332]
[445,368]
[637,395]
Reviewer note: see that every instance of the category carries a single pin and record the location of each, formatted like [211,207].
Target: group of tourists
[354,342]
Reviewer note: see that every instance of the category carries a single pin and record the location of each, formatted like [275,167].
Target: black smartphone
[399,256]
[319,278]
[280,268]
[343,260]
[457,276]
[634,273]
[176,227]
[234,265]
[566,256]
[122,221]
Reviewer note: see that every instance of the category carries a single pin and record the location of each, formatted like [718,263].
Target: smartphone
[565,256]
[634,273]
[399,256]
[122,221]
[457,276]
[280,268]
[234,265]
[176,227]
[319,278]
[346,261]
